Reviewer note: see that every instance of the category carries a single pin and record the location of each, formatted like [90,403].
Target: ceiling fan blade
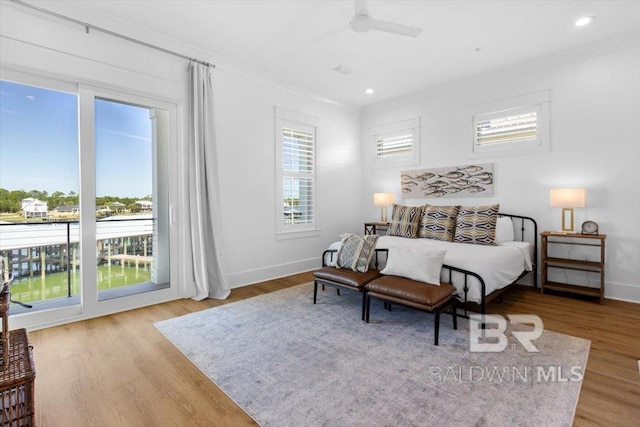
[362,7]
[391,27]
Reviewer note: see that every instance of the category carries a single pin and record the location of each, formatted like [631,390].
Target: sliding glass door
[84,197]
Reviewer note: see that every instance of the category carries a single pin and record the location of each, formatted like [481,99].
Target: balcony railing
[50,250]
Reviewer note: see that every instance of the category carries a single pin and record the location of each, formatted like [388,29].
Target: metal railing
[52,246]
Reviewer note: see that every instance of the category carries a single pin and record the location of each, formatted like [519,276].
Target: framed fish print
[455,181]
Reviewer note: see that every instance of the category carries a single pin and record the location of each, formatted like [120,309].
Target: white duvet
[498,266]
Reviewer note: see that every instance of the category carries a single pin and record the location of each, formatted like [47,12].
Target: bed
[480,273]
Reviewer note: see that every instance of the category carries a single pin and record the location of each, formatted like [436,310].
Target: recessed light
[368,91]
[581,22]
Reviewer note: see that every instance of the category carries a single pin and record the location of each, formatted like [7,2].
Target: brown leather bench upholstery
[411,293]
[343,278]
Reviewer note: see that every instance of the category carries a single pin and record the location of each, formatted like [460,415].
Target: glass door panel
[130,209]
[39,193]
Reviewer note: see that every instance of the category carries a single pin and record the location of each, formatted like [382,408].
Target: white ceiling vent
[342,70]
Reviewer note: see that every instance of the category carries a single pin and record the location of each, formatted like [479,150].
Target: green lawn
[54,285]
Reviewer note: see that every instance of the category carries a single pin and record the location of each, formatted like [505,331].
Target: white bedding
[498,266]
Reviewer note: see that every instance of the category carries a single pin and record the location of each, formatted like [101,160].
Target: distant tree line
[11,201]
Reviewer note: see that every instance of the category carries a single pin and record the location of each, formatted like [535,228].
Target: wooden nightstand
[372,227]
[570,263]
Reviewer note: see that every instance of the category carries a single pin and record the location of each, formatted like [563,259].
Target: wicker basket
[17,383]
[4,312]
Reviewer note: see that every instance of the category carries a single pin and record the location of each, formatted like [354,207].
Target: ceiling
[299,41]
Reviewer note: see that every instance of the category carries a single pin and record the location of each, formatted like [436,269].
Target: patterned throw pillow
[477,225]
[404,221]
[355,252]
[438,222]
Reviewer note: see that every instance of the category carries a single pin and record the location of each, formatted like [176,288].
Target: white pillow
[421,264]
[504,230]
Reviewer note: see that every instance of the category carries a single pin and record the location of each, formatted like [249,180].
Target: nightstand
[594,241]
[372,227]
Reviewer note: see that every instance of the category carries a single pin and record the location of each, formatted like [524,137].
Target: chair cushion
[411,290]
[354,279]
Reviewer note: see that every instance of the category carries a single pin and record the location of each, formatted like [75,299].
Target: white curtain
[204,191]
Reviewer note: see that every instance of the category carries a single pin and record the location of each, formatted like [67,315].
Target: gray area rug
[287,362]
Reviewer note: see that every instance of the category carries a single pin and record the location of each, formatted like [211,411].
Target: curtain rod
[88,27]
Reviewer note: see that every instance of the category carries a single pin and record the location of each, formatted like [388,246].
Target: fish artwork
[425,176]
[482,175]
[469,169]
[453,175]
[474,189]
[452,189]
[453,181]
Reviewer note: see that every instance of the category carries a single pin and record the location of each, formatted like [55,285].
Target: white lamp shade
[568,198]
[382,199]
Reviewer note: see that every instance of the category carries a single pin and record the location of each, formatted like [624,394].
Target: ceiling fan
[363,22]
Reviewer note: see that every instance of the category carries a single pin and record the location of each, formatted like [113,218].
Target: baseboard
[250,277]
[622,292]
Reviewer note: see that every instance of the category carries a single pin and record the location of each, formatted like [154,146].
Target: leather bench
[343,278]
[411,293]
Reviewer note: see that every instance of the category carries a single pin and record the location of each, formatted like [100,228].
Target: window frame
[307,124]
[409,126]
[538,102]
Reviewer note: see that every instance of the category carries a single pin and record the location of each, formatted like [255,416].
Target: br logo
[491,337]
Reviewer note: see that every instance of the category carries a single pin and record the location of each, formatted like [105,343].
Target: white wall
[244,113]
[595,144]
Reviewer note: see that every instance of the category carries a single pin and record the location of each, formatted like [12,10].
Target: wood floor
[119,370]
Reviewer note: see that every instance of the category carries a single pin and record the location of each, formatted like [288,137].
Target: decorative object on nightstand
[589,227]
[383,200]
[567,199]
[568,240]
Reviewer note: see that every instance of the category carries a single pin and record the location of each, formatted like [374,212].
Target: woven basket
[4,312]
[17,383]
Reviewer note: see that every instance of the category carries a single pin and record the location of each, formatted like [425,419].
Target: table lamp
[383,200]
[567,199]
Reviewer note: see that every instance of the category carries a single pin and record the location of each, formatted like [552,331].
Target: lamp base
[383,214]
[567,220]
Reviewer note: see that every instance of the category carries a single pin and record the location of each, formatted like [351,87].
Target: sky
[39,143]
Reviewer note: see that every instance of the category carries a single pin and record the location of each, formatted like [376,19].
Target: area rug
[288,362]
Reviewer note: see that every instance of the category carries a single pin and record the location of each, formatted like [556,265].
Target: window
[518,125]
[394,144]
[397,144]
[295,156]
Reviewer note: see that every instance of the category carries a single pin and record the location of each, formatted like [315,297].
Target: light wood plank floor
[119,370]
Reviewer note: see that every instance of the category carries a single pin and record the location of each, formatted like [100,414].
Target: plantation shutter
[392,145]
[298,160]
[506,129]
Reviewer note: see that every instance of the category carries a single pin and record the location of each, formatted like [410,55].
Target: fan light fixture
[362,21]
[581,22]
[368,91]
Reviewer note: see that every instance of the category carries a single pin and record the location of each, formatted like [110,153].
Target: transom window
[512,126]
[396,144]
